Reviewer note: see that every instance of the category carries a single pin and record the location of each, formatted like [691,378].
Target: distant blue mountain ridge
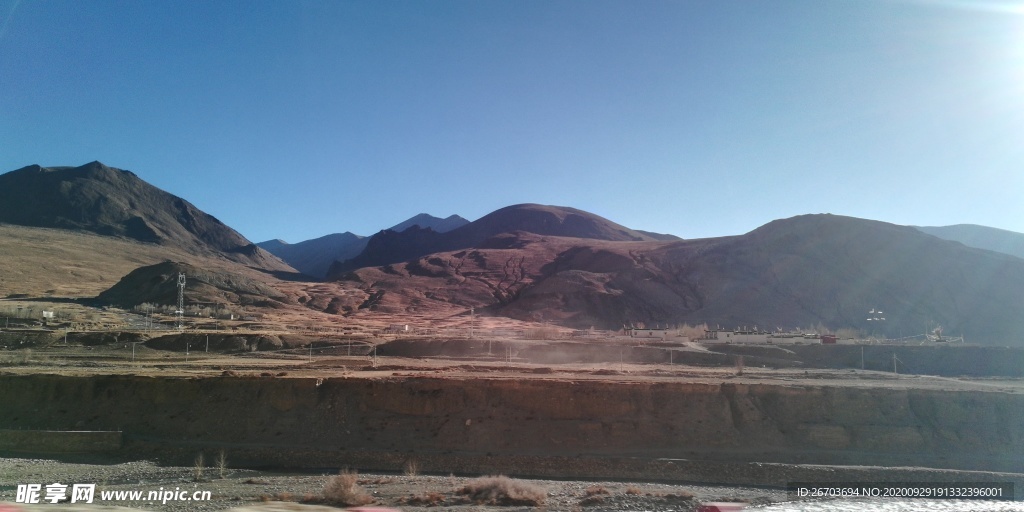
[314,257]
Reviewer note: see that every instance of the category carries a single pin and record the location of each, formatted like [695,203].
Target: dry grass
[430,499]
[502,490]
[595,490]
[411,467]
[222,463]
[635,491]
[198,467]
[343,489]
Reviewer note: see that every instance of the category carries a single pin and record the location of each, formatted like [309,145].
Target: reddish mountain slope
[794,272]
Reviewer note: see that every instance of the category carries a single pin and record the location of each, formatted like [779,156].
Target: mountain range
[314,257]
[531,262]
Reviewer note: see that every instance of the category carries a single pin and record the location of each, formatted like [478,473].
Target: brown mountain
[390,246]
[113,202]
[803,271]
[158,284]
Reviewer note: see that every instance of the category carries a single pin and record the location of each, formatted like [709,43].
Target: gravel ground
[242,489]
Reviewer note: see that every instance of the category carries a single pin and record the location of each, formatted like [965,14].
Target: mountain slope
[981,237]
[314,257]
[438,224]
[158,284]
[113,202]
[794,272]
[389,247]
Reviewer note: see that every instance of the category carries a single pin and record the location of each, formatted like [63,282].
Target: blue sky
[699,118]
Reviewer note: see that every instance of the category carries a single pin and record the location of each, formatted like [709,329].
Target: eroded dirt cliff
[322,422]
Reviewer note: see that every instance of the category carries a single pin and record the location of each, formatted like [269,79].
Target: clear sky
[292,120]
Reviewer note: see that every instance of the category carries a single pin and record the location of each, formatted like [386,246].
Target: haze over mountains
[392,247]
[530,262]
[314,257]
[982,237]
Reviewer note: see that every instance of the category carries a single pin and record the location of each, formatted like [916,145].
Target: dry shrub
[343,489]
[198,467]
[411,467]
[502,490]
[635,491]
[430,499]
[594,490]
[281,496]
[222,463]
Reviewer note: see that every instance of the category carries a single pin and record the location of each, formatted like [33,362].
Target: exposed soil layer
[532,426]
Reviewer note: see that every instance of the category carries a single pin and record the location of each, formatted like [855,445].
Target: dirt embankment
[337,422]
[935,359]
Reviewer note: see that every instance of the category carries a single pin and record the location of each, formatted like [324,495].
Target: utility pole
[861,358]
[207,342]
[181,301]
[894,371]
[471,318]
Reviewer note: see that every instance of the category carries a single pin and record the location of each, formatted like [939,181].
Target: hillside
[803,271]
[111,202]
[158,284]
[314,257]
[389,247]
[981,237]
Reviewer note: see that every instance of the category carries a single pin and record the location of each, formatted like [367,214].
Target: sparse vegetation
[411,467]
[429,499]
[343,489]
[502,490]
[222,463]
[198,467]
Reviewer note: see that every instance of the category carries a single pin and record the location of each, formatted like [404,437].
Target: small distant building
[736,336]
[657,334]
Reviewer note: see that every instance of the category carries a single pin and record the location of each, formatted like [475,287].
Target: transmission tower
[181,301]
